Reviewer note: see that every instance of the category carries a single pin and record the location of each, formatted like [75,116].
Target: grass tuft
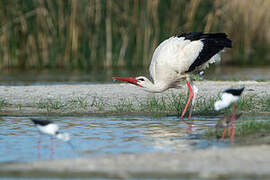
[153,105]
[205,106]
[3,103]
[99,103]
[79,102]
[50,104]
[176,102]
[252,126]
[125,106]
[248,103]
[266,103]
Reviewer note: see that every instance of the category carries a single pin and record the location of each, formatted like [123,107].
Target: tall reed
[85,34]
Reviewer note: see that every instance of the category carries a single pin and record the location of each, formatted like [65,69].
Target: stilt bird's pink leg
[52,149]
[234,114]
[232,134]
[223,134]
[38,146]
[233,124]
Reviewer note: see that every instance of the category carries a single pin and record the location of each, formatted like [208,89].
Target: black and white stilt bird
[176,58]
[228,97]
[49,128]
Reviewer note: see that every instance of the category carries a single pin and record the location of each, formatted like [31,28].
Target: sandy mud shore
[238,162]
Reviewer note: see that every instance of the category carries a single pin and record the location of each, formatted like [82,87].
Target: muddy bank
[256,138]
[253,161]
[100,98]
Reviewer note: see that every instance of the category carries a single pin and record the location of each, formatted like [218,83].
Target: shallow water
[217,72]
[99,135]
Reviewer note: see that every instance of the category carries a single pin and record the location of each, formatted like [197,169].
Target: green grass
[125,106]
[205,106]
[170,104]
[3,103]
[267,104]
[248,126]
[176,102]
[153,105]
[79,102]
[244,127]
[50,104]
[249,103]
[74,104]
[99,103]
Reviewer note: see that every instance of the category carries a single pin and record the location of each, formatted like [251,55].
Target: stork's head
[140,81]
[145,83]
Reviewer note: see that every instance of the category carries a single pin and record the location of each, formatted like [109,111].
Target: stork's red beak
[131,80]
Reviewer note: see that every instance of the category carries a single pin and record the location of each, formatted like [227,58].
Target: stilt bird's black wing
[41,122]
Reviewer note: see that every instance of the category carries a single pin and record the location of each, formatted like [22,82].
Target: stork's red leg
[189,99]
[195,92]
[191,105]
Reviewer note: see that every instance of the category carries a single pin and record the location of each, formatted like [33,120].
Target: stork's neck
[155,87]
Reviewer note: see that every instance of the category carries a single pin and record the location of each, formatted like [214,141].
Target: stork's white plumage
[175,58]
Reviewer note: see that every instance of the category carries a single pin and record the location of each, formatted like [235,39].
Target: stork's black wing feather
[40,122]
[213,43]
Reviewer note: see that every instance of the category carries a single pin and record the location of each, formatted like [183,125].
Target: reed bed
[85,34]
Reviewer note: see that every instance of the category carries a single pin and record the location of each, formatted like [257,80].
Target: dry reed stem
[91,33]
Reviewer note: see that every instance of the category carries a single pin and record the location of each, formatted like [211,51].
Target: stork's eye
[141,79]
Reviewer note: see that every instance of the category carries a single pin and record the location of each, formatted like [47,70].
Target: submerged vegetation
[86,34]
[243,127]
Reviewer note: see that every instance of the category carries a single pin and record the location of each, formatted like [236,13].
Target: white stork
[176,58]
